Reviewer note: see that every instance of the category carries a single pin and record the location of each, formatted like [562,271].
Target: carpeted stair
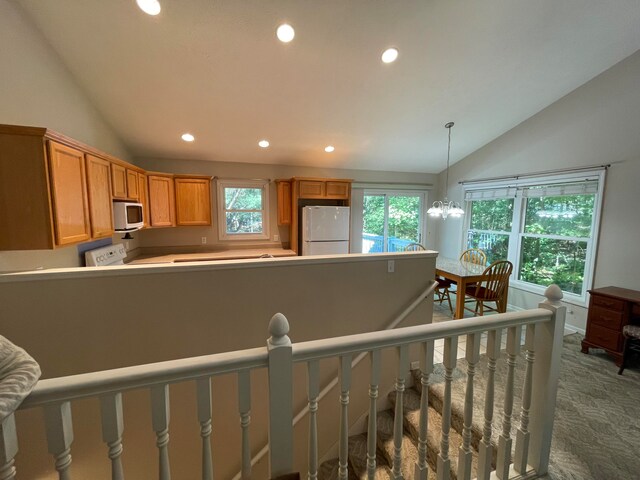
[411,425]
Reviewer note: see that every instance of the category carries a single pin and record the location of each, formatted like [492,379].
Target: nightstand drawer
[605,338]
[606,318]
[607,302]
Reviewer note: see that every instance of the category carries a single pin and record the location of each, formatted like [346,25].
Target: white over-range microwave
[127,216]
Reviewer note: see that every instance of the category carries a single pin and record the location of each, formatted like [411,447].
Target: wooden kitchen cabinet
[133,192]
[143,191]
[610,309]
[193,200]
[69,194]
[162,207]
[284,202]
[56,191]
[119,181]
[99,193]
[311,189]
[338,190]
[124,183]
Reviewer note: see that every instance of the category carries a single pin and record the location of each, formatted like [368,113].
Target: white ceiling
[215,69]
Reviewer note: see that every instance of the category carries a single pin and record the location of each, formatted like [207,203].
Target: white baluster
[398,426]
[373,412]
[60,436]
[426,367]
[450,358]
[313,390]
[8,448]
[112,428]
[344,374]
[522,439]
[465,455]
[203,392]
[503,461]
[485,449]
[280,397]
[244,408]
[160,421]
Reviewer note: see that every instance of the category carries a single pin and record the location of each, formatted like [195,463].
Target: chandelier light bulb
[446,208]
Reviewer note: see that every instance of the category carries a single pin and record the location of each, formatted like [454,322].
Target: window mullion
[515,241]
[386,224]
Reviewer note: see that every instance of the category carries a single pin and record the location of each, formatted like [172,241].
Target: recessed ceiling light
[285,33]
[329,148]
[187,137]
[151,7]
[390,55]
[263,143]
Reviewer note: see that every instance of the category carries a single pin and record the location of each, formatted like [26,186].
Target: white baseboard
[569,329]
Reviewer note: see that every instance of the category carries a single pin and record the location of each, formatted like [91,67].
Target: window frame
[422,214]
[222,211]
[514,187]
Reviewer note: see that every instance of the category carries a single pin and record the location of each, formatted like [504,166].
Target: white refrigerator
[325,230]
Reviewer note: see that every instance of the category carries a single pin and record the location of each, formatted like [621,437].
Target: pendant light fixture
[445,208]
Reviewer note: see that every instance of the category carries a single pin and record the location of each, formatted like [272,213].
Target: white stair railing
[533,439]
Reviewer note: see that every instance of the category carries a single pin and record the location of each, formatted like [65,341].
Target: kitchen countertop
[209,256]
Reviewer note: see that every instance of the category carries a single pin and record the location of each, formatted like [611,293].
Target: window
[243,209]
[391,220]
[491,223]
[547,230]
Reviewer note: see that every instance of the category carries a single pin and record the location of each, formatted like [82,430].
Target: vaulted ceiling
[214,68]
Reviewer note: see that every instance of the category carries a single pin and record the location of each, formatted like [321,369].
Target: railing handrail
[362,342]
[92,384]
[73,387]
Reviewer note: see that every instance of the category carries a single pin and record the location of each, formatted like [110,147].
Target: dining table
[463,274]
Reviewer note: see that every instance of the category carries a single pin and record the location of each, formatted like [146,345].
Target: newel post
[546,372]
[280,397]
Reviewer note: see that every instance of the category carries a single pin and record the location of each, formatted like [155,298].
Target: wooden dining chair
[491,288]
[442,290]
[475,256]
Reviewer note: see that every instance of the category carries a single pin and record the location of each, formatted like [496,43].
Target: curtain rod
[537,174]
[410,184]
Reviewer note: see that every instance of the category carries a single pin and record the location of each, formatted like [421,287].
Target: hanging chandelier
[445,208]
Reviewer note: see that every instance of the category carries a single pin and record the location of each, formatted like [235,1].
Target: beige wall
[91,322]
[595,124]
[36,89]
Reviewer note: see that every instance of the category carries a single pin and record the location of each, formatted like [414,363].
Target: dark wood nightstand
[610,309]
